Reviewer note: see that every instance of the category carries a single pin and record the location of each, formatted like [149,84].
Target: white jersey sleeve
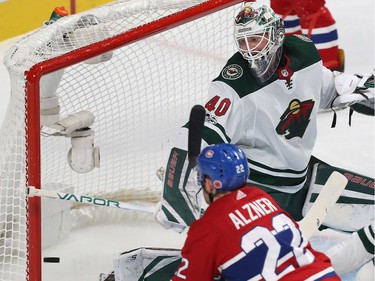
[328,92]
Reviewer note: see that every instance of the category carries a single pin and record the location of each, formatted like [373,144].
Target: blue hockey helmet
[225,164]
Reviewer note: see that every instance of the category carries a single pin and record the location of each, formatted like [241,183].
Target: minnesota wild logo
[295,119]
[232,72]
[246,15]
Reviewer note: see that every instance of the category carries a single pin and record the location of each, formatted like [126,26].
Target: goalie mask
[225,164]
[259,35]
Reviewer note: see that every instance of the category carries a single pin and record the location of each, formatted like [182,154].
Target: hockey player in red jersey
[312,19]
[244,234]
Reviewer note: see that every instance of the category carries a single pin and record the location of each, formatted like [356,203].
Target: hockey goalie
[266,100]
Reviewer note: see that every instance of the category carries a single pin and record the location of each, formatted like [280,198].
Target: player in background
[312,19]
[266,100]
[244,234]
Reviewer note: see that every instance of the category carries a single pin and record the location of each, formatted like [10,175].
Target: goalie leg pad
[355,207]
[152,264]
[354,252]
[366,272]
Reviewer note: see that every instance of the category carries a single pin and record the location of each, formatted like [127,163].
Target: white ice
[88,251]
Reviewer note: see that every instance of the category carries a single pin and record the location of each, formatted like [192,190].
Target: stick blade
[196,121]
[327,197]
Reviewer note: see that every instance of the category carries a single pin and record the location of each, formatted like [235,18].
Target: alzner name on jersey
[252,211]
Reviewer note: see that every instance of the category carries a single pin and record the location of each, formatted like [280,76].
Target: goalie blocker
[354,208]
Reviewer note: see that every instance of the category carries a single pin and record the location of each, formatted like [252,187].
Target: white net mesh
[139,98]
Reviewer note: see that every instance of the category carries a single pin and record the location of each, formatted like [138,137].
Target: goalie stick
[327,197]
[196,121]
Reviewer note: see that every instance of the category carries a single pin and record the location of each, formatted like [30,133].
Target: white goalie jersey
[274,123]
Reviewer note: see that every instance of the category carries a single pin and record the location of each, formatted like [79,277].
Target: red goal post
[137,67]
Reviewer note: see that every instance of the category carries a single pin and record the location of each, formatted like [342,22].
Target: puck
[51,259]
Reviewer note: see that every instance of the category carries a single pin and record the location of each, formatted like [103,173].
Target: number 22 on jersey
[281,244]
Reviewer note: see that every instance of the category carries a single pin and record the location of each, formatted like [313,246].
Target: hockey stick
[327,197]
[32,191]
[196,121]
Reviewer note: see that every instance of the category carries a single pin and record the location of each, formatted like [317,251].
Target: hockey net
[138,67]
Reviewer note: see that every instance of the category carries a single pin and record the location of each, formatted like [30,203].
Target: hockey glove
[353,89]
[366,106]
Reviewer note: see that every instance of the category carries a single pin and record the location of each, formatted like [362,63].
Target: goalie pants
[312,19]
[290,202]
[293,202]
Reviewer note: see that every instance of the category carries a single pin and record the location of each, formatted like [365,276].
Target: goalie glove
[355,91]
[181,201]
[366,106]
[352,89]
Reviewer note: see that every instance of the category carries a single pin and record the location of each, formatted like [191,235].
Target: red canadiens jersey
[246,236]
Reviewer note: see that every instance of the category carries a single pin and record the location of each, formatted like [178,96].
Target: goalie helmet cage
[138,67]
